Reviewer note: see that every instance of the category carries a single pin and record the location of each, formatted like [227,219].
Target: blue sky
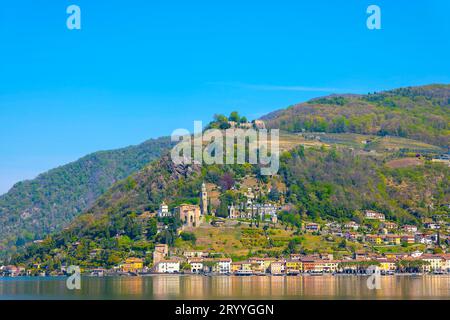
[140,69]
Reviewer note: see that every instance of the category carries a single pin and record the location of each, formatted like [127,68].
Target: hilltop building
[190,215]
[250,196]
[232,212]
[132,265]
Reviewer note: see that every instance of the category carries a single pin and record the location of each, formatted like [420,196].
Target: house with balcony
[277,267]
[133,265]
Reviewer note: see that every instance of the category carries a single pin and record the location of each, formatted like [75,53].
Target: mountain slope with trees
[35,208]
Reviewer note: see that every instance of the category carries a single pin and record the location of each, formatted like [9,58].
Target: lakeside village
[433,237]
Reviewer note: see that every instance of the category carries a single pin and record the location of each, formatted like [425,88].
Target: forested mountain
[420,113]
[34,208]
[321,184]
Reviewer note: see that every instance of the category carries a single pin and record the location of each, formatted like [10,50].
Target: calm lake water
[228,287]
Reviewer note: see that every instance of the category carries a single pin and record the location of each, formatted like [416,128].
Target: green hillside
[419,113]
[32,209]
[322,184]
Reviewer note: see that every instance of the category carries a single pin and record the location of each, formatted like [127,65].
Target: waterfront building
[293,266]
[396,255]
[235,266]
[308,265]
[435,262]
[432,225]
[390,225]
[277,267]
[196,265]
[416,254]
[132,264]
[327,266]
[250,196]
[360,255]
[373,215]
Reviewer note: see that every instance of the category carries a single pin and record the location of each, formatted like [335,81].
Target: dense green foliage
[339,185]
[420,113]
[32,209]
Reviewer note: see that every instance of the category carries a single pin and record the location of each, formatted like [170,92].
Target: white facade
[168,267]
[224,266]
[196,267]
[436,263]
[163,210]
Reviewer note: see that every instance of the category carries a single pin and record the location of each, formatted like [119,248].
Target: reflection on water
[228,287]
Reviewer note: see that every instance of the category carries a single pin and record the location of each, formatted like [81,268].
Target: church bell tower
[204,200]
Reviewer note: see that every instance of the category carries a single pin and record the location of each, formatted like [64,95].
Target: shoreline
[225,275]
